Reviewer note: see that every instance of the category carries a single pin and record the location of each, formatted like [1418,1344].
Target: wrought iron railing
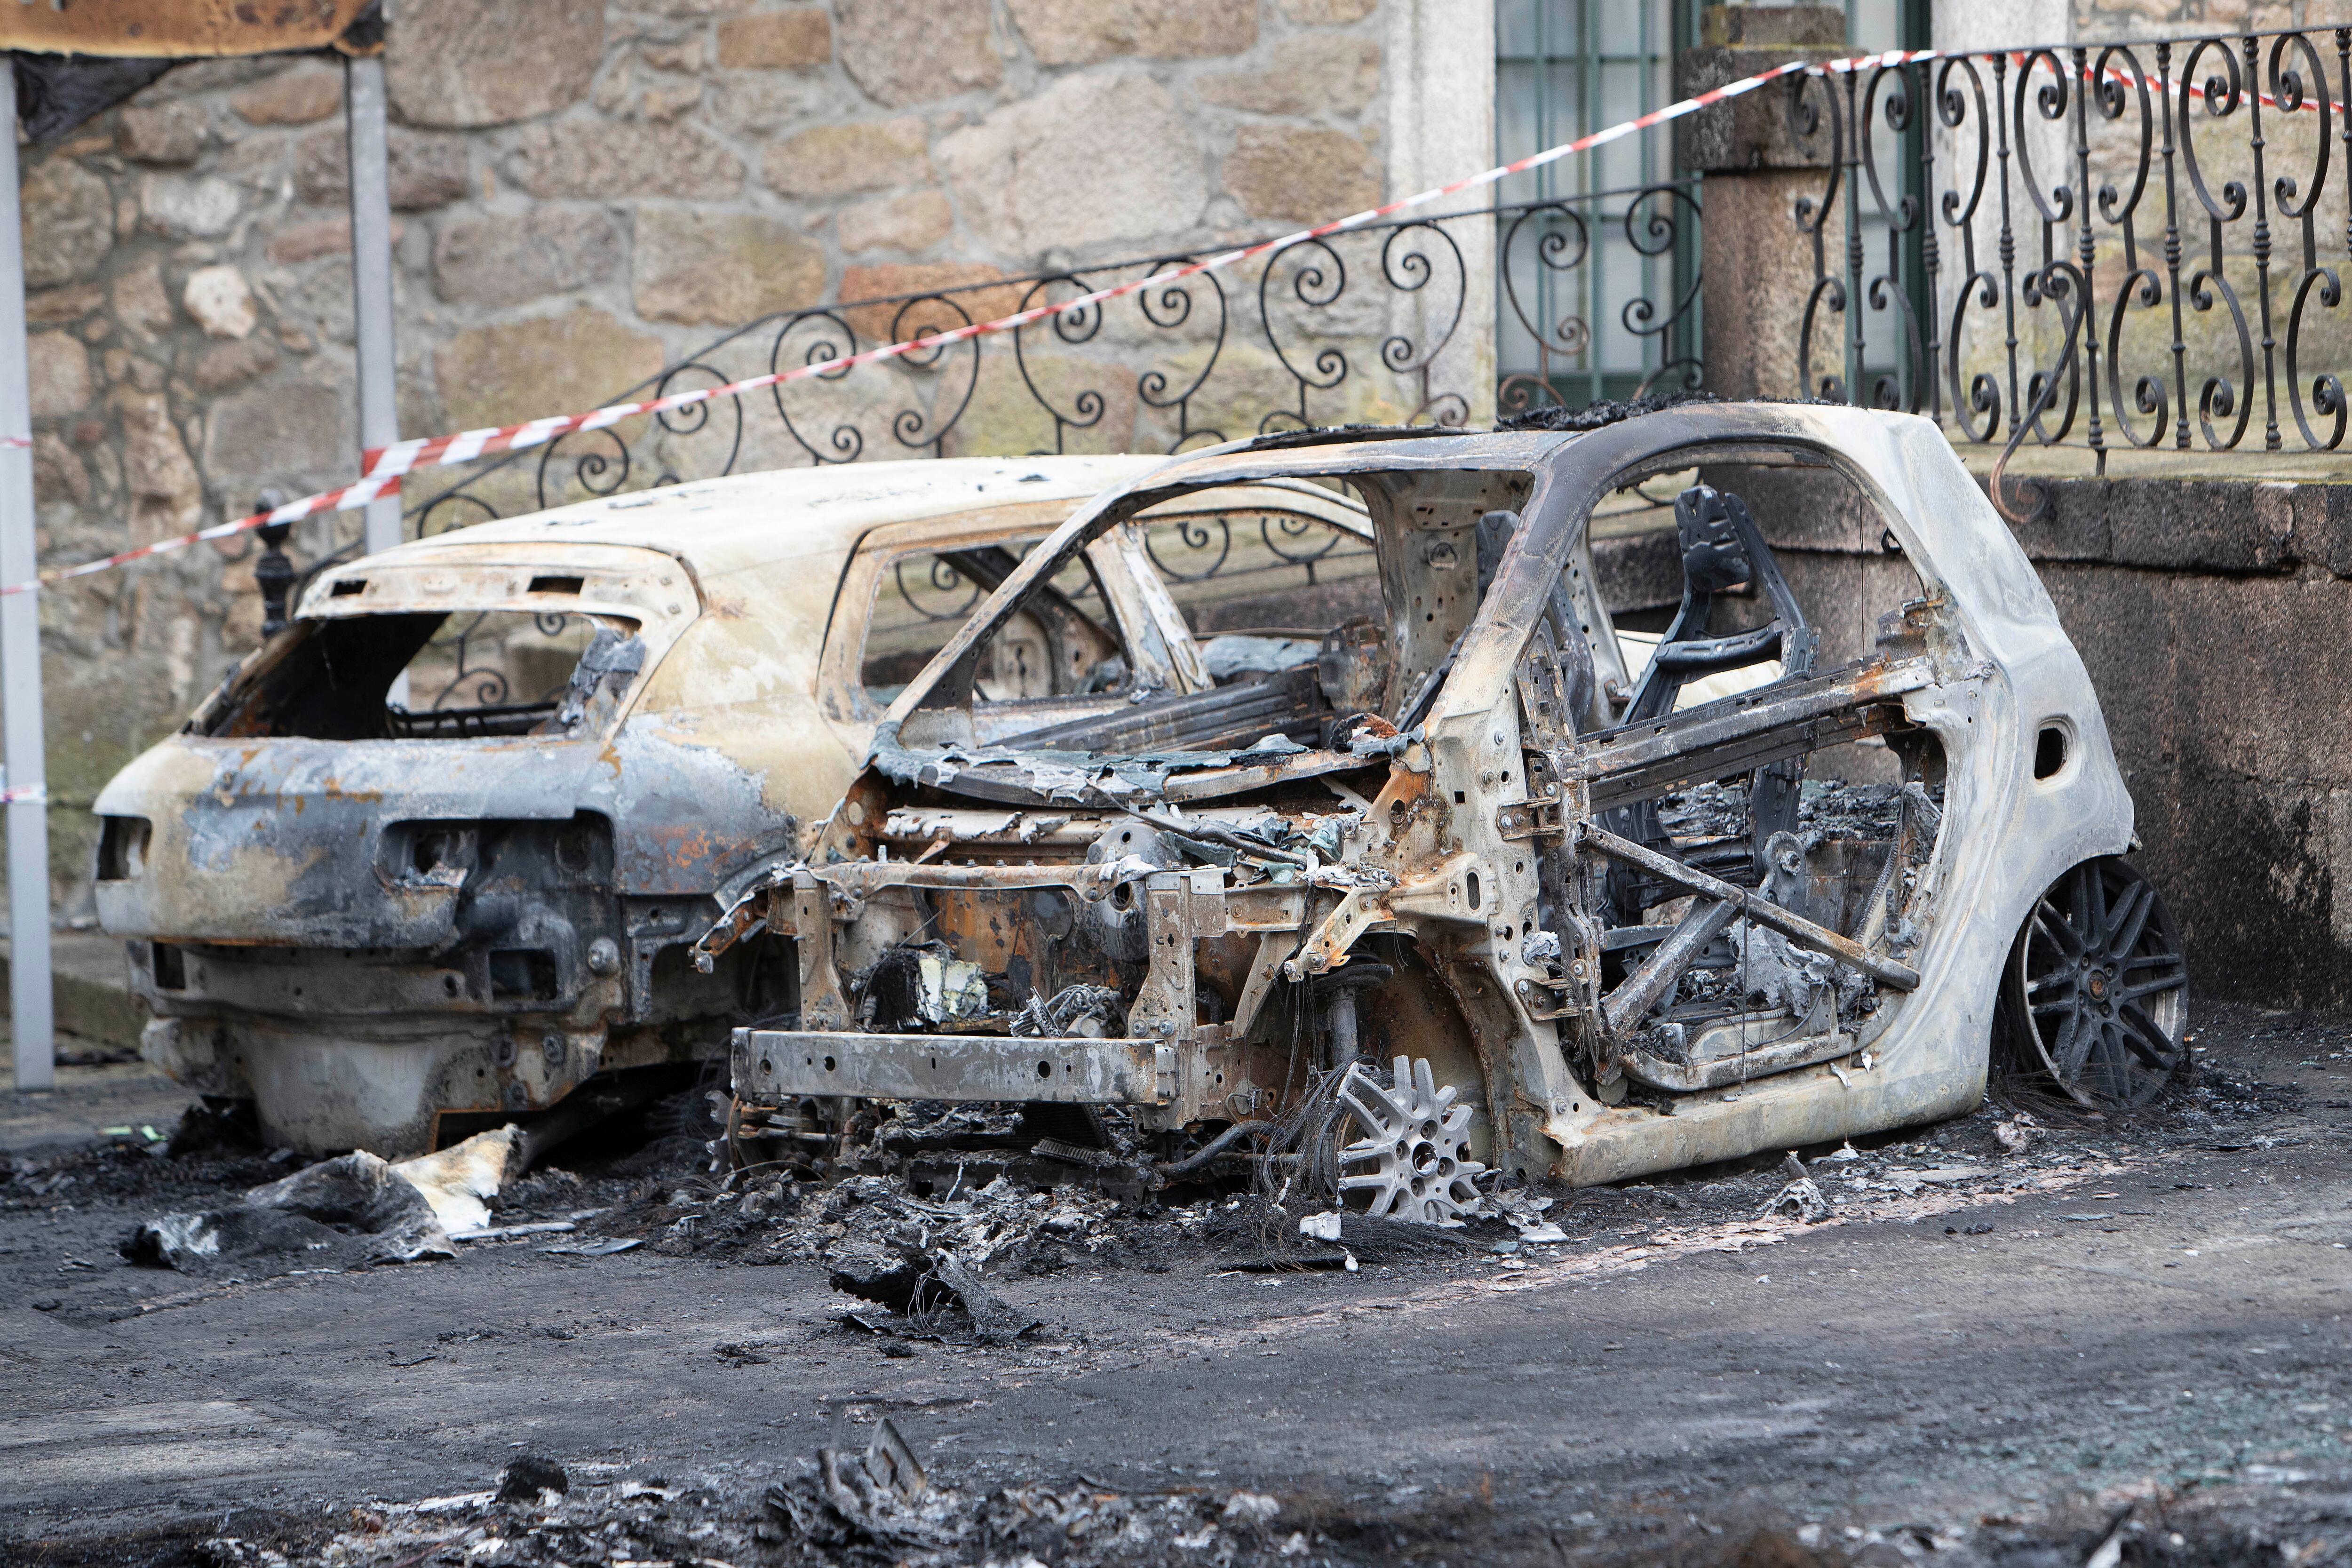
[1540,243]
[2101,245]
[1345,328]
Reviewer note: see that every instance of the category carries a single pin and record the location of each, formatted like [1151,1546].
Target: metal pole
[372,278]
[30,1017]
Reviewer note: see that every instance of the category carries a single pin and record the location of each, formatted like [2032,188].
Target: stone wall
[585,191]
[2098,20]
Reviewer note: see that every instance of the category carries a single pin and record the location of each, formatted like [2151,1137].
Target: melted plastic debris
[1227,657]
[919,984]
[460,1180]
[353,1208]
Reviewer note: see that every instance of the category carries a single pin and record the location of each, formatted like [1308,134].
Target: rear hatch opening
[462,674]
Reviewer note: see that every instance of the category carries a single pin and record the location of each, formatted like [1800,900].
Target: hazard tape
[384,466]
[348,496]
[11,795]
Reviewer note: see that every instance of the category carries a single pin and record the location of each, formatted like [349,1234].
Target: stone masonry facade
[584,191]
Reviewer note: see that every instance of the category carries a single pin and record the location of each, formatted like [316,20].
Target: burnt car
[1464,885]
[434,857]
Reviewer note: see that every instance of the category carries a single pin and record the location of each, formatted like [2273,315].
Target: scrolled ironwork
[846,443]
[1168,308]
[1291,528]
[695,418]
[942,579]
[444,512]
[2137,238]
[489,688]
[1409,271]
[1562,225]
[1653,224]
[1366,323]
[1318,277]
[601,471]
[1072,327]
[1828,292]
[928,316]
[1194,533]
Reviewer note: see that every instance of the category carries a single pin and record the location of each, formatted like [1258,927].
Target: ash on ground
[898,1218]
[870,1501]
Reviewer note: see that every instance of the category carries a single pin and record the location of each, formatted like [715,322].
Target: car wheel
[2094,998]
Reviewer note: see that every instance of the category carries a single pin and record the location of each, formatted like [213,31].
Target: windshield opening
[1244,593]
[1270,596]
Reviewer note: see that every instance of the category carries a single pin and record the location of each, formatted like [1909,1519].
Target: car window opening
[1840,833]
[1062,644]
[463,675]
[1270,597]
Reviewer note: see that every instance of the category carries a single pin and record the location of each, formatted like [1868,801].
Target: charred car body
[1601,922]
[433,855]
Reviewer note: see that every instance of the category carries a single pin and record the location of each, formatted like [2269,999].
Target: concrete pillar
[1756,266]
[20,648]
[1439,67]
[363,101]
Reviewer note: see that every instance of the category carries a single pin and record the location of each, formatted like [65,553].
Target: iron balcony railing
[2125,244]
[1328,330]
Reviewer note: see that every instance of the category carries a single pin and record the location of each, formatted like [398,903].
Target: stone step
[90,979]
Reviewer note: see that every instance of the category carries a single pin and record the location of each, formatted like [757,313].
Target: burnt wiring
[1306,1137]
[1303,1143]
[1216,1146]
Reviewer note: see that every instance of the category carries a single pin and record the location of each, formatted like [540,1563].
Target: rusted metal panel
[771,1064]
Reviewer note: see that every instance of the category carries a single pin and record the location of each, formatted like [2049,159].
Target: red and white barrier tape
[15,793]
[385,466]
[349,496]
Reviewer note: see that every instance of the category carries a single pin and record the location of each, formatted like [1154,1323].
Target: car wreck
[434,857]
[1460,889]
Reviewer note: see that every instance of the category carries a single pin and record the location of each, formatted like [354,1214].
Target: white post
[1440,123]
[372,278]
[30,1017]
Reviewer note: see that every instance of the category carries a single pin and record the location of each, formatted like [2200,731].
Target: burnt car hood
[303,842]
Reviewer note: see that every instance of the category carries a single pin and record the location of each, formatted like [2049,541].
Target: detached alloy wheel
[2095,998]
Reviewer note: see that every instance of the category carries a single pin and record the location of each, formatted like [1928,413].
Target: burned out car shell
[1997,666]
[1455,852]
[364,933]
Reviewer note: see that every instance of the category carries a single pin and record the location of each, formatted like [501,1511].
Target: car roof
[741,520]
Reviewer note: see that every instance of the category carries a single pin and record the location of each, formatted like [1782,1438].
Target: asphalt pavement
[2093,1321]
